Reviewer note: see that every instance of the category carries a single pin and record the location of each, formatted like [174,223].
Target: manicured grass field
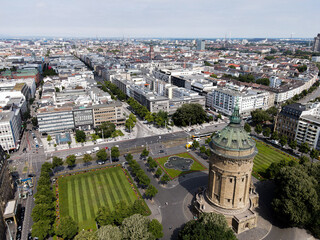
[266,155]
[196,166]
[81,195]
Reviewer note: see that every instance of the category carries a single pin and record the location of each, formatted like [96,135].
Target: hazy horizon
[160,19]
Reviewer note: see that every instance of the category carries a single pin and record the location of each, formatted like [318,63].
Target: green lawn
[196,166]
[266,155]
[81,195]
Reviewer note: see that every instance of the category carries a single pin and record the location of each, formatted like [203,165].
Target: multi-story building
[308,130]
[288,119]
[22,74]
[54,120]
[225,99]
[6,190]
[111,112]
[83,118]
[201,45]
[10,127]
[316,43]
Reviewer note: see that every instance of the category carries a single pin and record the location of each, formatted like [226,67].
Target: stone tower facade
[230,190]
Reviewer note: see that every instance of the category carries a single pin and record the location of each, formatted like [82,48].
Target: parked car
[95,149]
[100,162]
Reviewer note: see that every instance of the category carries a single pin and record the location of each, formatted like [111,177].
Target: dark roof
[293,110]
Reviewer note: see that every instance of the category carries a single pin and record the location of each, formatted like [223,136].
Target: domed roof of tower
[233,136]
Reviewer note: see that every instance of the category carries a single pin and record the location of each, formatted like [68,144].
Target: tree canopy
[189,113]
[209,226]
[80,136]
[67,228]
[71,160]
[105,130]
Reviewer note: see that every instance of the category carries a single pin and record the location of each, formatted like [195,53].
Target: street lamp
[9,231]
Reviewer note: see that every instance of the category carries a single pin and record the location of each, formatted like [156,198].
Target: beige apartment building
[111,112]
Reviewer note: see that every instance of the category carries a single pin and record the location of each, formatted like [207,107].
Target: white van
[96,149]
[88,152]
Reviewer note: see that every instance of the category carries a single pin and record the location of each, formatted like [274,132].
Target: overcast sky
[160,18]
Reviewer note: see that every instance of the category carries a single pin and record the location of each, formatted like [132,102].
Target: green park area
[81,195]
[173,173]
[266,155]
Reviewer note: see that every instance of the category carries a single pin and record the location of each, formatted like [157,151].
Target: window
[230,179]
[228,200]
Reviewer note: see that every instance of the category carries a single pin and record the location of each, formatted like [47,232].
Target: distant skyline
[161,18]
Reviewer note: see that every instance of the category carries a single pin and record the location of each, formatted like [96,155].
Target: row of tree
[43,213]
[133,227]
[154,167]
[130,122]
[303,148]
[115,90]
[140,110]
[121,211]
[141,177]
[304,93]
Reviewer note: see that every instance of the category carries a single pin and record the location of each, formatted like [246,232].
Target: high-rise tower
[316,43]
[151,53]
[230,190]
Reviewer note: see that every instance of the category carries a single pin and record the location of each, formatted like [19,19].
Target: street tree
[267,132]
[87,158]
[158,172]
[67,228]
[151,191]
[115,153]
[293,144]
[155,228]
[102,155]
[34,121]
[202,149]
[208,140]
[165,178]
[49,138]
[149,117]
[275,135]
[283,140]
[80,136]
[43,212]
[304,148]
[144,153]
[129,124]
[208,152]
[247,127]
[314,154]
[258,129]
[56,162]
[195,144]
[41,229]
[71,160]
